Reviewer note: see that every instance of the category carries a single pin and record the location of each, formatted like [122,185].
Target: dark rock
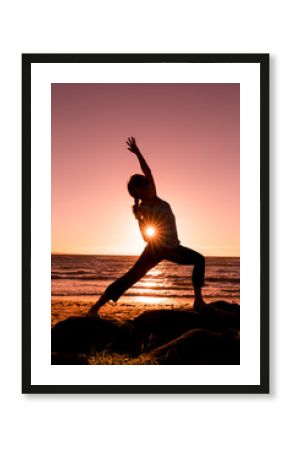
[160,326]
[154,328]
[200,347]
[69,359]
[175,337]
[88,335]
[220,316]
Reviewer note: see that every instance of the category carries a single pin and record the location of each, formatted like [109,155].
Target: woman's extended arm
[143,164]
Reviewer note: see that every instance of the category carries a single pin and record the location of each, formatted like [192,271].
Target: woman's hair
[137,181]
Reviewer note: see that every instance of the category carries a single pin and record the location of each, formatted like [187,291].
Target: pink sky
[188,133]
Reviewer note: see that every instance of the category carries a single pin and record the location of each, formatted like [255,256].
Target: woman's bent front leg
[184,255]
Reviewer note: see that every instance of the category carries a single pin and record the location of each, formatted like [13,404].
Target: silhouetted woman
[158,228]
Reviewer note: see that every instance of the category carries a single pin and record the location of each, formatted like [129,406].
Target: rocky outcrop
[168,336]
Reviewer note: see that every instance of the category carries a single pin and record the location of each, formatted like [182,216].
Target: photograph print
[145,237]
[145,223]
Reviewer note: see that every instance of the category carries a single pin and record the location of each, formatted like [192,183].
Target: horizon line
[127,254]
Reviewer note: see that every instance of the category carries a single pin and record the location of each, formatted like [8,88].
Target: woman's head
[140,187]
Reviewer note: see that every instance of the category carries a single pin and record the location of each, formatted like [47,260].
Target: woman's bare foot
[199,303]
[200,306]
[94,311]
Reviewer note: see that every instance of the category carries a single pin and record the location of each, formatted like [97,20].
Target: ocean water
[81,278]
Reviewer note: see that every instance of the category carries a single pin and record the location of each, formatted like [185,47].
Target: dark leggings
[151,256]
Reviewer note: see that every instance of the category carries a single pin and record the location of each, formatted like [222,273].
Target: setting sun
[150,231]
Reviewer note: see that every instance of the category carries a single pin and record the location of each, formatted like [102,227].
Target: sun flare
[150,231]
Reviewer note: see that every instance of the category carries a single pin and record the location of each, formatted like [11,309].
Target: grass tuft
[102,358]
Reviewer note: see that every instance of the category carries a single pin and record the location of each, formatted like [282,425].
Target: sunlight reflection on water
[147,299]
[85,278]
[154,272]
[149,284]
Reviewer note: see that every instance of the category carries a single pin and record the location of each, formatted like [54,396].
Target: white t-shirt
[160,217]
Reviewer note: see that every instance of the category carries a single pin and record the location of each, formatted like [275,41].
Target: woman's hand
[136,210]
[132,146]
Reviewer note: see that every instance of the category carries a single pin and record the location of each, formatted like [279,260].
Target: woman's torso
[159,216]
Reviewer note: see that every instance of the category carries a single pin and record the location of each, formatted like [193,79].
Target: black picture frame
[263,61]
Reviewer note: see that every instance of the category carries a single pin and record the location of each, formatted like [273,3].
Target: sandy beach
[125,309]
